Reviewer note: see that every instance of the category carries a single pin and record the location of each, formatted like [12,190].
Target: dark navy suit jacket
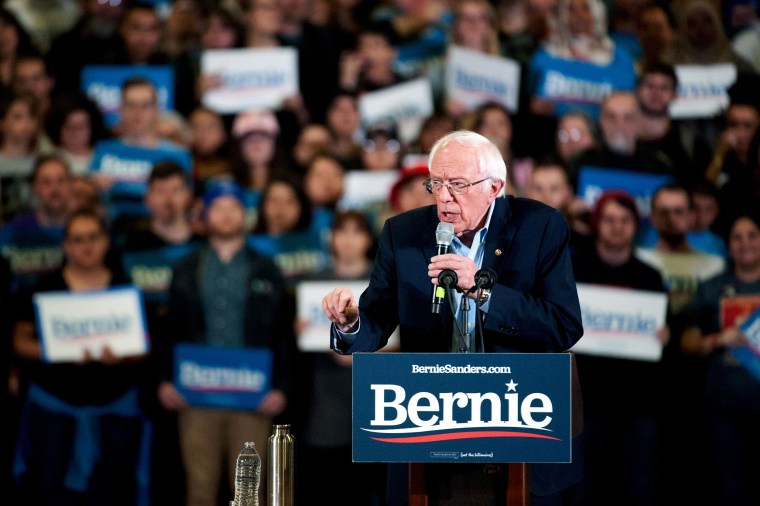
[533,307]
[534,303]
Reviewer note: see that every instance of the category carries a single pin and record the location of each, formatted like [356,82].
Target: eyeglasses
[569,135]
[434,186]
[391,145]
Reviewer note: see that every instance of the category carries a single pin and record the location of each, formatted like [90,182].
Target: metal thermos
[281,467]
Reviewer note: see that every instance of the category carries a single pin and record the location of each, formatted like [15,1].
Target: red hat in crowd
[407,173]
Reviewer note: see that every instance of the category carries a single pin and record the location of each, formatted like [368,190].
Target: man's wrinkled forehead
[455,160]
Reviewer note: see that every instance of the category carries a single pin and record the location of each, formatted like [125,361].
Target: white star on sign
[511,386]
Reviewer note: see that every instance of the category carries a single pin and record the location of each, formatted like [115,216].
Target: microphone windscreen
[485,278]
[448,278]
[444,234]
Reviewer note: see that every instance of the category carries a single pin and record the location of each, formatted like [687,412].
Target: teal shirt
[223,294]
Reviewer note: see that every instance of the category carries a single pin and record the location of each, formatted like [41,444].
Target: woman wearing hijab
[701,39]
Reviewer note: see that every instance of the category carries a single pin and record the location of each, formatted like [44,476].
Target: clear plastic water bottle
[247,476]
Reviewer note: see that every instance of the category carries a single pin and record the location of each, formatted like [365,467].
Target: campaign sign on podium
[457,407]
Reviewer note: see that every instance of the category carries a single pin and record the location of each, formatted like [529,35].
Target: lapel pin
[498,252]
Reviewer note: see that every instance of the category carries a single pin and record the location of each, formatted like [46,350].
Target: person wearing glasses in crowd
[83,433]
[620,146]
[381,149]
[576,133]
[533,307]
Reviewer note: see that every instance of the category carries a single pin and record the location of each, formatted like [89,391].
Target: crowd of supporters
[107,187]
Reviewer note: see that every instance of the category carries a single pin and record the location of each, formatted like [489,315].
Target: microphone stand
[479,317]
[448,279]
[463,341]
[484,279]
[466,320]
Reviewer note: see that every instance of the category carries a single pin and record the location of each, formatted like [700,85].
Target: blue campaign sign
[231,378]
[579,85]
[151,270]
[102,83]
[129,167]
[31,251]
[295,253]
[593,181]
[451,407]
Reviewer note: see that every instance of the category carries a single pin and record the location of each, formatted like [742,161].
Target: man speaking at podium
[532,307]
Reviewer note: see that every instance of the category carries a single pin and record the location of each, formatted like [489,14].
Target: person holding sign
[731,393]
[83,432]
[225,297]
[532,307]
[284,231]
[620,147]
[121,166]
[474,27]
[619,408]
[32,242]
[579,64]
[326,436]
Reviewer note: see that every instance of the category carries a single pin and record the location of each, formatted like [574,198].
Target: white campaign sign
[473,78]
[71,322]
[621,323]
[364,189]
[407,104]
[250,78]
[702,90]
[315,335]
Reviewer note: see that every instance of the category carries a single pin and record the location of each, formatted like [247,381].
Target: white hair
[490,161]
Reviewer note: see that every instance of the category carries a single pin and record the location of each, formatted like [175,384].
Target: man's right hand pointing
[340,308]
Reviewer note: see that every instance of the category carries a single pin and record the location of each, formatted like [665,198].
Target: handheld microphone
[485,278]
[444,234]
